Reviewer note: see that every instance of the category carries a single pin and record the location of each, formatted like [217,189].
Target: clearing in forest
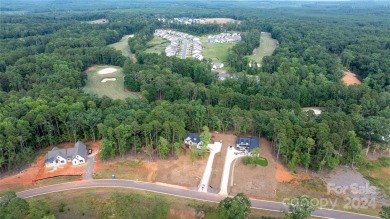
[257,181]
[37,174]
[98,21]
[157,45]
[181,171]
[123,45]
[217,52]
[316,110]
[217,21]
[107,81]
[350,78]
[267,47]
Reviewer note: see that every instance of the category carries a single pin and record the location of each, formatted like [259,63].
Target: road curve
[176,191]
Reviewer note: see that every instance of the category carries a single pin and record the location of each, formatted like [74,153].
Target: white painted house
[76,155]
[217,65]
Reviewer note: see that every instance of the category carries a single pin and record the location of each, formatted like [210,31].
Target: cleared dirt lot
[37,174]
[350,78]
[134,169]
[254,180]
[179,171]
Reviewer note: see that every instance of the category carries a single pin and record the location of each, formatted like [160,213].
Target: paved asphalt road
[183,55]
[176,191]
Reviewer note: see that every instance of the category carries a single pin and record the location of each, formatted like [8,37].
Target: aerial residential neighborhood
[185,109]
[224,38]
[182,44]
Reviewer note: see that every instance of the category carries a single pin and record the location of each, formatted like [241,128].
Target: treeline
[42,103]
[12,206]
[353,42]
[236,58]
[159,77]
[142,37]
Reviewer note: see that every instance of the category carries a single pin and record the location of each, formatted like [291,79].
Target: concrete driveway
[89,169]
[204,183]
[231,155]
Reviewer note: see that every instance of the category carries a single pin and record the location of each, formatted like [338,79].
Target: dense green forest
[43,58]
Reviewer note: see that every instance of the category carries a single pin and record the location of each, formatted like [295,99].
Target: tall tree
[234,208]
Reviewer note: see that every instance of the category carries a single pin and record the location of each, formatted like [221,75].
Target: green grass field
[128,203]
[267,47]
[123,46]
[157,45]
[217,52]
[112,89]
[378,173]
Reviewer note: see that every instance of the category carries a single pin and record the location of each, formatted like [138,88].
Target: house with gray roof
[76,155]
[247,143]
[193,139]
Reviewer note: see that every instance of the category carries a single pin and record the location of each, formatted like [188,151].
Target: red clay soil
[37,170]
[350,78]
[282,174]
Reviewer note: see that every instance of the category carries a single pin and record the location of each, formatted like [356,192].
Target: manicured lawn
[123,46]
[267,47]
[217,52]
[256,161]
[112,89]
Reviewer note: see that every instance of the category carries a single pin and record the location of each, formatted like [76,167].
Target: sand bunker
[108,79]
[107,71]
